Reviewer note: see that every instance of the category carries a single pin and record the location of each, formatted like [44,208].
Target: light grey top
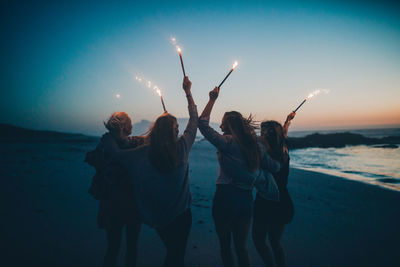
[161,197]
[233,168]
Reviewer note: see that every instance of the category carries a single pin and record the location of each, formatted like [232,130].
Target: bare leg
[259,233]
[275,236]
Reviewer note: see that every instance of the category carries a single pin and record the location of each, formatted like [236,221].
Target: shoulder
[135,141]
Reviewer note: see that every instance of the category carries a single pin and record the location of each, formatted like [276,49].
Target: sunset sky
[63,64]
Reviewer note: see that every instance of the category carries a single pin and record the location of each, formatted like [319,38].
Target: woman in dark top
[159,171]
[118,208]
[240,159]
[270,217]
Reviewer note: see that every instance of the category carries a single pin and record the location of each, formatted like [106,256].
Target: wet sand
[49,219]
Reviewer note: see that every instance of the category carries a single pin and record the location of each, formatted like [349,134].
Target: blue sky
[63,63]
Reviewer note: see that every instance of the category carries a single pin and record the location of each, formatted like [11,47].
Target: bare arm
[187,86]
[289,118]
[208,108]
[218,140]
[189,134]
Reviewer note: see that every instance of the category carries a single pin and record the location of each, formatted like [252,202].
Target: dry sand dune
[49,219]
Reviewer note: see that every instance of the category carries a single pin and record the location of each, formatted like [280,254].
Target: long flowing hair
[163,144]
[243,131]
[274,139]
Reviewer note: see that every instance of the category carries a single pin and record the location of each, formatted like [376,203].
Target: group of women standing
[148,182]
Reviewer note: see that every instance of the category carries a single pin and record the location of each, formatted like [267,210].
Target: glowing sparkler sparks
[235,65]
[180,57]
[173,40]
[229,73]
[316,92]
[178,48]
[155,88]
[161,98]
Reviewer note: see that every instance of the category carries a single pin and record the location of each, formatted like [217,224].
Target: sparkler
[316,92]
[162,100]
[300,105]
[173,41]
[149,85]
[180,56]
[229,73]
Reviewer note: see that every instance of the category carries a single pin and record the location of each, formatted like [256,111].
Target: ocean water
[369,164]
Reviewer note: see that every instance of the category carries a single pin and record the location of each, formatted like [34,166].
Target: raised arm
[208,108]
[189,134]
[289,118]
[218,140]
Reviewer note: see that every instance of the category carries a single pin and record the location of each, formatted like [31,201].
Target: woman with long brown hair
[240,159]
[270,217]
[160,175]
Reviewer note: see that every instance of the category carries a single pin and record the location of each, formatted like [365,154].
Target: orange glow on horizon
[345,120]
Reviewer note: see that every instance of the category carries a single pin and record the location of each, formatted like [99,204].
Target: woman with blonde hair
[110,185]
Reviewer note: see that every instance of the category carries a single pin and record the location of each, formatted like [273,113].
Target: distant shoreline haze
[357,136]
[143,125]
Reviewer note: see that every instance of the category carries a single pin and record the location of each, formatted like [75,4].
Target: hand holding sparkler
[214,93]
[286,125]
[290,116]
[186,85]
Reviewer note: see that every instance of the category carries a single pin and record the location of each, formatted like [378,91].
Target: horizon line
[339,128]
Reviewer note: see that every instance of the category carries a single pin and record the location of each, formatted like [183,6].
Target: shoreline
[49,219]
[360,179]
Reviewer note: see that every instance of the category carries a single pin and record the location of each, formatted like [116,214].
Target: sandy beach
[49,219]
